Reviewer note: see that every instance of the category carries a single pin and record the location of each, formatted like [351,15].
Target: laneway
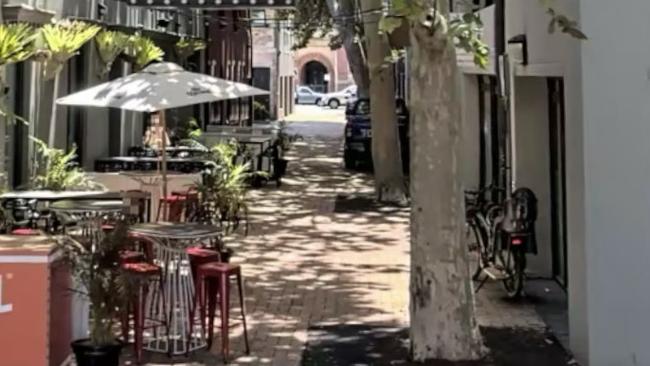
[319,252]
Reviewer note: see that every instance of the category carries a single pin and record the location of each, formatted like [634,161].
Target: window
[363,107]
[258,18]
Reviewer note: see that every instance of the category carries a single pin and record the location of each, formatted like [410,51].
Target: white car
[337,99]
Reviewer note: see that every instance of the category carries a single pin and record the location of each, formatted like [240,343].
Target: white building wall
[616,95]
[552,55]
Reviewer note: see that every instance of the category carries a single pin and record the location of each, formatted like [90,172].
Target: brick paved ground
[306,264]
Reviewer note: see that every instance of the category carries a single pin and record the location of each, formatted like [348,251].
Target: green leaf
[16,42]
[62,40]
[387,24]
[187,47]
[110,44]
[142,51]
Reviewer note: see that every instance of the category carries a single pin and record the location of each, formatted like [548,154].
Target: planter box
[35,303]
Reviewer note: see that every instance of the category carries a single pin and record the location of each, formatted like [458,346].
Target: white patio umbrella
[158,87]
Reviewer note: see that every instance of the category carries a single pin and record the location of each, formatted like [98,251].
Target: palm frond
[63,40]
[16,42]
[224,187]
[142,51]
[110,44]
[187,47]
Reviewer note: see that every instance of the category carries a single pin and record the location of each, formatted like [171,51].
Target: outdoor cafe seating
[165,260]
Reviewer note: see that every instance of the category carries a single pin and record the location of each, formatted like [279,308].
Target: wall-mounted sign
[4,308]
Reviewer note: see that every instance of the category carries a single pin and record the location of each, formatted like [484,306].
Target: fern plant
[110,44]
[58,171]
[224,188]
[187,47]
[16,42]
[16,45]
[141,51]
[63,40]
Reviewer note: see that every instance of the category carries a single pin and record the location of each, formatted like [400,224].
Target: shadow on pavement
[360,345]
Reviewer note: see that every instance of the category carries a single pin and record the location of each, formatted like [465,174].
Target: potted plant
[260,111]
[283,143]
[95,268]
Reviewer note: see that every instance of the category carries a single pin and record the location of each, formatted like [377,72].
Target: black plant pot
[226,254]
[280,167]
[88,354]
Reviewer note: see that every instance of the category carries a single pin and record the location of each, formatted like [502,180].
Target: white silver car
[337,99]
[305,95]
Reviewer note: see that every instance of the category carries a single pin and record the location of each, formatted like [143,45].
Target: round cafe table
[89,215]
[170,243]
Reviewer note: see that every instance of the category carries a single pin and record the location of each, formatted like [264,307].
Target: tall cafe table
[89,216]
[170,243]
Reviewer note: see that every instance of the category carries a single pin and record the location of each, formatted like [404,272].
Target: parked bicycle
[501,235]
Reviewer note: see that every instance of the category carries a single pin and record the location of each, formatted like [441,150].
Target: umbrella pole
[163,121]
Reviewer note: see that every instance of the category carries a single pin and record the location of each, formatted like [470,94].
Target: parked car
[358,134]
[337,99]
[305,95]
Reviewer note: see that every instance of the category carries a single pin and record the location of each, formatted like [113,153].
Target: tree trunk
[51,141]
[342,12]
[386,153]
[353,50]
[443,324]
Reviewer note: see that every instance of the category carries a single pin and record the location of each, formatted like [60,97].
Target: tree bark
[443,323]
[342,12]
[386,153]
[52,131]
[353,49]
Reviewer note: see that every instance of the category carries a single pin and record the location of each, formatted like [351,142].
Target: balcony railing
[215,4]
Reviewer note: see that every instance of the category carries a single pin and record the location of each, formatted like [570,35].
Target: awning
[214,4]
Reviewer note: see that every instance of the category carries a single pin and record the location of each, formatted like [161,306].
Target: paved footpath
[310,261]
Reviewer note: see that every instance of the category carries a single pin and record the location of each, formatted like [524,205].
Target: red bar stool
[216,276]
[199,256]
[25,232]
[178,204]
[141,274]
[172,206]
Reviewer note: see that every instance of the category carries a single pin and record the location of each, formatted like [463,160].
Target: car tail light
[517,241]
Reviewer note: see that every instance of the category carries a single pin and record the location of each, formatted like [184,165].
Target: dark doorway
[262,104]
[314,76]
[558,178]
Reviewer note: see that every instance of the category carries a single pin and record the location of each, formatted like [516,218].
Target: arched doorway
[313,75]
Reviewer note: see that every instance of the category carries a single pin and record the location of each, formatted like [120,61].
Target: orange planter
[35,302]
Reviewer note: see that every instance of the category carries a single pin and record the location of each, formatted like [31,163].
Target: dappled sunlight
[306,264]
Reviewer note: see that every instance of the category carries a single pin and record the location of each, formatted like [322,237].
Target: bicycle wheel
[513,262]
[476,239]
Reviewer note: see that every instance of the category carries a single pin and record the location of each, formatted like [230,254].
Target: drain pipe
[504,176]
